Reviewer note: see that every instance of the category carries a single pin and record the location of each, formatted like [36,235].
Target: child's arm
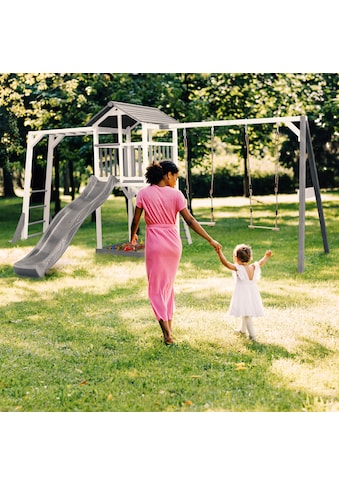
[225,262]
[267,256]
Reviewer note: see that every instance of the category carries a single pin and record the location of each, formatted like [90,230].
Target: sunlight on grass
[84,337]
[311,379]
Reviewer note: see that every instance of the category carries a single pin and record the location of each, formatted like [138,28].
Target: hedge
[226,184]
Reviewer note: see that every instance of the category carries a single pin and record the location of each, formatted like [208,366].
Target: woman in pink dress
[161,203]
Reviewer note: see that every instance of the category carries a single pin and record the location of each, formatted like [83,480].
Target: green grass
[84,338]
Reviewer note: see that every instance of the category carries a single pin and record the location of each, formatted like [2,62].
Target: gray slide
[63,227]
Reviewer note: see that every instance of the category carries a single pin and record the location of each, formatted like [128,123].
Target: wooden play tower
[123,146]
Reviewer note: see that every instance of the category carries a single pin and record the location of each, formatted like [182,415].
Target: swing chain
[276,175]
[212,173]
[187,188]
[276,153]
[248,165]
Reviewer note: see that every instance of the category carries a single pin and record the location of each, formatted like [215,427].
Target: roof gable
[132,115]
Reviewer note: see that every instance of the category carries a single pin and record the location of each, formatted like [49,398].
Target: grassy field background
[84,337]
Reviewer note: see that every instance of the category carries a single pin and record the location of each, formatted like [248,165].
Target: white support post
[120,149]
[302,187]
[145,160]
[48,182]
[130,211]
[53,141]
[175,146]
[175,160]
[128,152]
[129,174]
[151,148]
[96,161]
[96,152]
[27,184]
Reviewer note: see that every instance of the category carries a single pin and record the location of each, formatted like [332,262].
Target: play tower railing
[131,167]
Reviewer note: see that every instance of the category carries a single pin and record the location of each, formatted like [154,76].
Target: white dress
[246,299]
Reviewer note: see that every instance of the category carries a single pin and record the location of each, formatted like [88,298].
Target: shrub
[227,184]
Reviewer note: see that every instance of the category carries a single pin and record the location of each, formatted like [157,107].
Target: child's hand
[217,246]
[218,249]
[268,253]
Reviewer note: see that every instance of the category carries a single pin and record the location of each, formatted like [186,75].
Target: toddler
[246,300]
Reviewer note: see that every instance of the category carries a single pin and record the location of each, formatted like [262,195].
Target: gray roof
[133,114]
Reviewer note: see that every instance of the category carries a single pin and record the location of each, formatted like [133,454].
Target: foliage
[225,184]
[319,93]
[84,338]
[31,101]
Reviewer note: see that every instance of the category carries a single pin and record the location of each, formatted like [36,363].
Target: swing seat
[251,226]
[207,223]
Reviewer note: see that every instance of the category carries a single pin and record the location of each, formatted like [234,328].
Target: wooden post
[53,141]
[32,140]
[315,182]
[98,172]
[302,187]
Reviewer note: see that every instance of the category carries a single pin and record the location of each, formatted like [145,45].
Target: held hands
[217,246]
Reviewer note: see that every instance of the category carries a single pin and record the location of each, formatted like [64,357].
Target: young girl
[246,300]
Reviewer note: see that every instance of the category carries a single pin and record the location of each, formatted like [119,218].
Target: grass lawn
[84,337]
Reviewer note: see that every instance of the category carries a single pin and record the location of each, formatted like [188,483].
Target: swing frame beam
[305,151]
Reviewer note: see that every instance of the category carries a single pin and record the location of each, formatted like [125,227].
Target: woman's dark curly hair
[155,172]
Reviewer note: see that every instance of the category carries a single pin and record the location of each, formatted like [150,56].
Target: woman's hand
[134,240]
[217,246]
[135,225]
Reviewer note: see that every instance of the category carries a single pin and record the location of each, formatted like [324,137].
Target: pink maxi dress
[162,245]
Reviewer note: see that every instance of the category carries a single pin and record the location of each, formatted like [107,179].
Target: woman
[161,202]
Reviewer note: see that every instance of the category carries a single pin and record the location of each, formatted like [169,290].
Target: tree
[249,95]
[12,133]
[32,101]
[318,94]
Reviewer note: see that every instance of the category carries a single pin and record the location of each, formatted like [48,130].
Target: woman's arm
[194,224]
[135,225]
[224,261]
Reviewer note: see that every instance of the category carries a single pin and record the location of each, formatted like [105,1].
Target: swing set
[302,131]
[211,222]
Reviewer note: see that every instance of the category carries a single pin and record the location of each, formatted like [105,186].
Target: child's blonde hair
[243,253]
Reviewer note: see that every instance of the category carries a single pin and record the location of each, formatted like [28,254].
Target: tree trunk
[71,177]
[8,184]
[244,154]
[245,179]
[189,175]
[69,188]
[56,189]
[38,183]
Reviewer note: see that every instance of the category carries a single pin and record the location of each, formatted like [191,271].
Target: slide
[63,227]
